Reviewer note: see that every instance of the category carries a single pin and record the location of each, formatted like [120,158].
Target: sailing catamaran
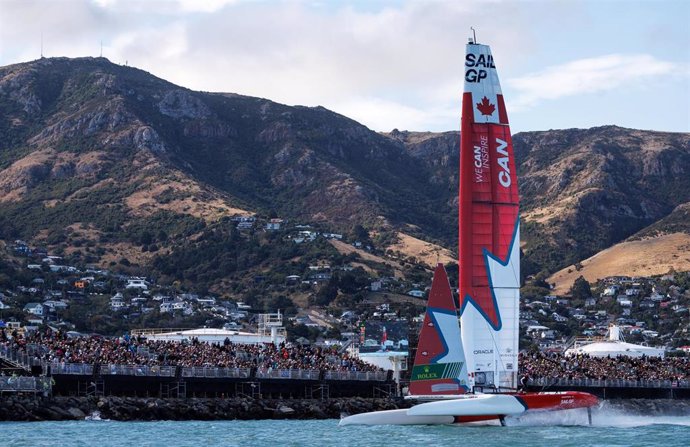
[468,373]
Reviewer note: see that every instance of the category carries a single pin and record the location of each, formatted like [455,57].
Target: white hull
[471,405]
[441,412]
[395,417]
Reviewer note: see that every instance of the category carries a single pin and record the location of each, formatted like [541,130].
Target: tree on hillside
[359,233]
[581,289]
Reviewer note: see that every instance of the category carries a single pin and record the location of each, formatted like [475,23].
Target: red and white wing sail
[489,234]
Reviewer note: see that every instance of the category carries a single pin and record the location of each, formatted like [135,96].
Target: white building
[137,283]
[207,335]
[614,347]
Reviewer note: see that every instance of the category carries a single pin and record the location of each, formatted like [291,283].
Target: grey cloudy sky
[389,64]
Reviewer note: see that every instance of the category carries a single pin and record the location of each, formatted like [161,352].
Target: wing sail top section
[439,366]
[488,227]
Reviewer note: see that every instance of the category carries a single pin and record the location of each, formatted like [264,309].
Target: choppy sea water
[608,429]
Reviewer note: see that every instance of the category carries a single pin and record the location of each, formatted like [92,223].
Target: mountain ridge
[99,153]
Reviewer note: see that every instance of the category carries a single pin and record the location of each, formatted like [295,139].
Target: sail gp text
[481,161]
[478,63]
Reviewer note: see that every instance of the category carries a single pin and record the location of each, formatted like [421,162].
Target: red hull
[555,401]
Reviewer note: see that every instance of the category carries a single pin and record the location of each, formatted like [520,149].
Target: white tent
[614,347]
[209,336]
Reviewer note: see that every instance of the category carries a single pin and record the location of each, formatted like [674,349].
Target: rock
[76,413]
[283,411]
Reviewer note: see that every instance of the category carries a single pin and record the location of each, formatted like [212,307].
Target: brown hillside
[652,256]
[425,252]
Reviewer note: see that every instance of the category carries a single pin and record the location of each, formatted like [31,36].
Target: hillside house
[166,308]
[245,225]
[656,297]
[206,301]
[139,301]
[308,235]
[137,283]
[244,219]
[318,267]
[624,300]
[34,309]
[183,306]
[292,279]
[416,293]
[559,318]
[55,305]
[274,224]
[647,304]
[611,290]
[320,277]
[117,302]
[306,321]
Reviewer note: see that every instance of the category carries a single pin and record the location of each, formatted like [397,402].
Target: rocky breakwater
[29,408]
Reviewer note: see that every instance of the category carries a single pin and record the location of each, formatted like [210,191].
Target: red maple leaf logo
[485,107]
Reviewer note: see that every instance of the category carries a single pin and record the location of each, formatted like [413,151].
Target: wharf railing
[379,376]
[18,384]
[299,374]
[215,372]
[607,383]
[137,370]
[18,358]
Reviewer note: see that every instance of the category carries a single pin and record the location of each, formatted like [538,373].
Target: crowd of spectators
[57,347]
[540,365]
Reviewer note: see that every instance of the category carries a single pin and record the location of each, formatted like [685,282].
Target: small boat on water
[467,372]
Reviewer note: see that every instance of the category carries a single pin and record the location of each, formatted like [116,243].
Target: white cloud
[585,76]
[385,115]
[204,5]
[394,57]
[387,63]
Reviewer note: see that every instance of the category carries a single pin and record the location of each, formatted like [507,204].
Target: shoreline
[30,408]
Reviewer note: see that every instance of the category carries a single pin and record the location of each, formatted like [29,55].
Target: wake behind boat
[468,373]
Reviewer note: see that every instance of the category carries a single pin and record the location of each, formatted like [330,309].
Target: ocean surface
[608,429]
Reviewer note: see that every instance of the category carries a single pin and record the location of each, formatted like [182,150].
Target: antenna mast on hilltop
[41,44]
[101,48]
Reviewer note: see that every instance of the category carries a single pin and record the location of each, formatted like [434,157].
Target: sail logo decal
[481,159]
[485,107]
[437,371]
[500,274]
[477,65]
[440,319]
[504,174]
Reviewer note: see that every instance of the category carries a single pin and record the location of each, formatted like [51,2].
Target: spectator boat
[468,373]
